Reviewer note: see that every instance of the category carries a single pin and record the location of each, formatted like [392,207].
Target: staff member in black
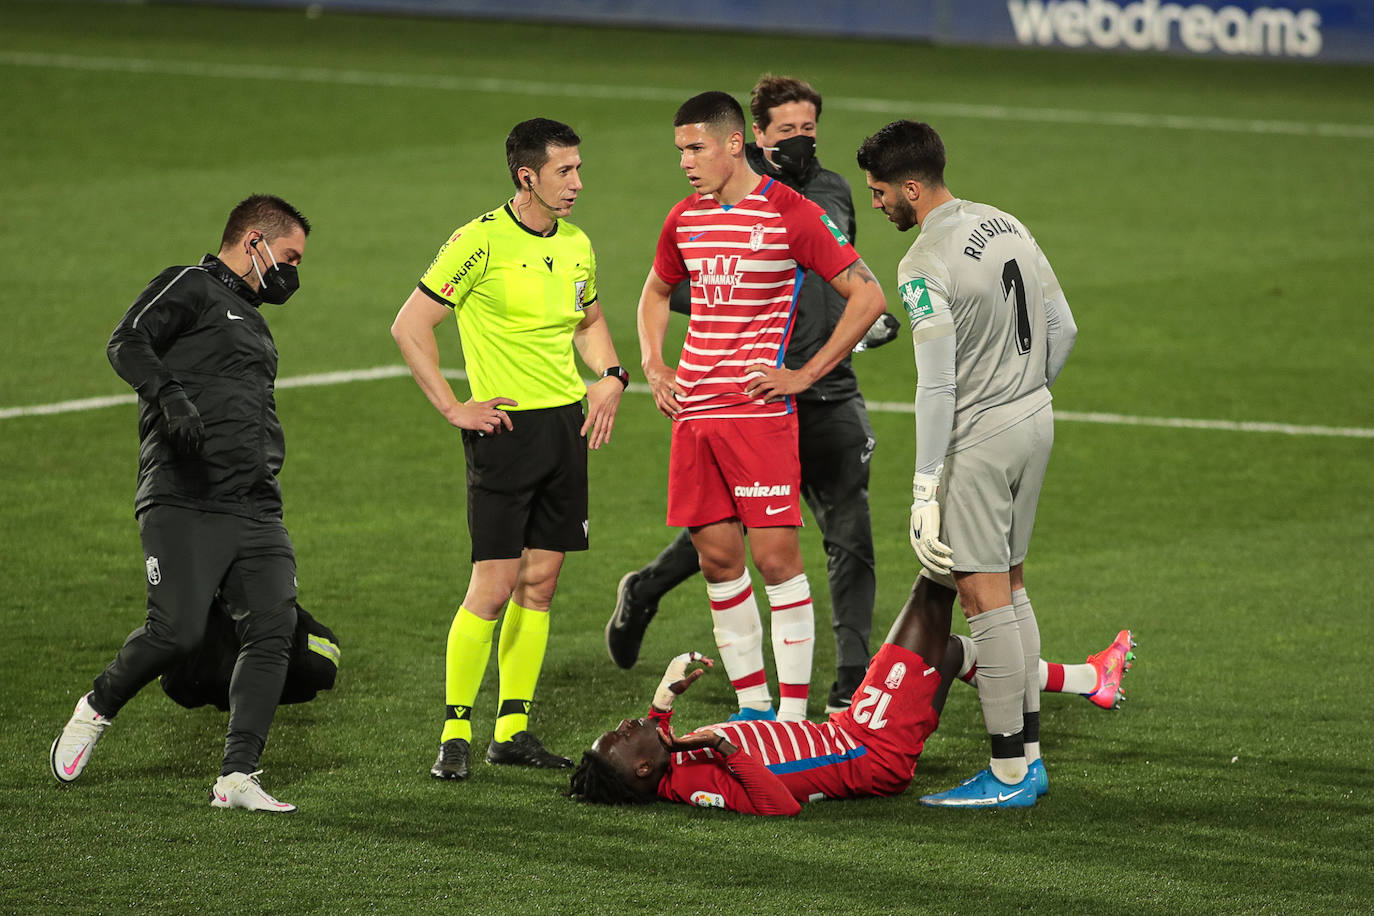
[198,352]
[835,438]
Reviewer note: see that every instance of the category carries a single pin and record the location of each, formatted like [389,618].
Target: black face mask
[795,155]
[279,281]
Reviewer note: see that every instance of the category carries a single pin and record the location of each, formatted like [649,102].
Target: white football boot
[72,749]
[241,790]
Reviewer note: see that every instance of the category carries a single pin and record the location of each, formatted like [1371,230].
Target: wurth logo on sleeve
[718,278]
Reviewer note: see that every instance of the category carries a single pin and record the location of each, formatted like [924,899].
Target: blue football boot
[983,790]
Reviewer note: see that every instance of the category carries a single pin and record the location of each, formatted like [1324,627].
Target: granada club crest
[895,675]
[756,237]
[154,570]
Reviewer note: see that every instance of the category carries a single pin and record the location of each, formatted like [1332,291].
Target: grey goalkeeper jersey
[976,275]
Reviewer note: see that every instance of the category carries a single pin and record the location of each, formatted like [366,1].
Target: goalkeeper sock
[739,640]
[1029,631]
[469,646]
[1052,676]
[793,623]
[519,657]
[1001,680]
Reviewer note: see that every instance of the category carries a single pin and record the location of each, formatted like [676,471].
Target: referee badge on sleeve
[579,294]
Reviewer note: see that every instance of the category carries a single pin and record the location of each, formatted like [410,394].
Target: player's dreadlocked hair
[596,780]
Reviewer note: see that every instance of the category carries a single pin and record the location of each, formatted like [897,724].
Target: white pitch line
[388,372]
[1119,419]
[441,82]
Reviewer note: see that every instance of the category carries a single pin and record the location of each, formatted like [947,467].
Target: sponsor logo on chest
[718,278]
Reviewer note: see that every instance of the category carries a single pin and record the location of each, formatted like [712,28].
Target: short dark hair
[527,144]
[596,780]
[771,91]
[904,150]
[265,212]
[715,109]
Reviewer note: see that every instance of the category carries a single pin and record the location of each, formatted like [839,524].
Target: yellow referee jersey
[518,297]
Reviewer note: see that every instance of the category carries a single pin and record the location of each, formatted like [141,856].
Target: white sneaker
[241,790]
[72,749]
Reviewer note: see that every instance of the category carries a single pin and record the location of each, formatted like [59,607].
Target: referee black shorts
[527,486]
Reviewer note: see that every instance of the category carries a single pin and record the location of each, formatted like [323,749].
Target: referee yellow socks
[469,646]
[520,654]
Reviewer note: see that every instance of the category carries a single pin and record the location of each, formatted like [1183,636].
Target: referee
[196,348]
[522,282]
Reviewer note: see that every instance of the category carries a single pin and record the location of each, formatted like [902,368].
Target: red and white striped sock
[1056,678]
[739,640]
[794,642]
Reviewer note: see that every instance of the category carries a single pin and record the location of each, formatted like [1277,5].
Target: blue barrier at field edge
[1325,30]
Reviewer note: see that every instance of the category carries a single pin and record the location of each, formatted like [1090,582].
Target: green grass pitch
[1214,246]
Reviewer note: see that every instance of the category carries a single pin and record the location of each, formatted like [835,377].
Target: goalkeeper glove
[185,428]
[676,679]
[882,331]
[933,553]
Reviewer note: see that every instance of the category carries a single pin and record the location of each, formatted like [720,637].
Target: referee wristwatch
[618,372]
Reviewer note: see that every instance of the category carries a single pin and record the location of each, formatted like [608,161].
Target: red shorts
[892,716]
[739,468]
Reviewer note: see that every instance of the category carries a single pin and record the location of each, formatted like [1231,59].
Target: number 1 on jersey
[1012,283]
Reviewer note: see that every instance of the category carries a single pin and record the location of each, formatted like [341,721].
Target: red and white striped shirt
[779,765]
[746,264]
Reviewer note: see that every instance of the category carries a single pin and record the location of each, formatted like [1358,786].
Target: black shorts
[527,486]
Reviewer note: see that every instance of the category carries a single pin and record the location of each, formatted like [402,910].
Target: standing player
[834,434]
[198,351]
[522,283]
[744,242]
[991,330]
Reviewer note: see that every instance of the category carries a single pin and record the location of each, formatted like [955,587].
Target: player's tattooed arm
[858,272]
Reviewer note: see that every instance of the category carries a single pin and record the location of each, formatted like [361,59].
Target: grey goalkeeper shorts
[989,495]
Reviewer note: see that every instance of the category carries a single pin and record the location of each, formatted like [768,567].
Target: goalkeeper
[991,329]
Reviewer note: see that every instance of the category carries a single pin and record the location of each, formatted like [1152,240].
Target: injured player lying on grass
[771,767]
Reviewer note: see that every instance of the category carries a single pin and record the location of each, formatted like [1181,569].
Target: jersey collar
[539,235]
[221,272]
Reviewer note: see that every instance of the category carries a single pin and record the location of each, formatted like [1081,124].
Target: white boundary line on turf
[387,372]
[436,81]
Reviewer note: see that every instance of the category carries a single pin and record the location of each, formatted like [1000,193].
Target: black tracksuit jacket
[200,327]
